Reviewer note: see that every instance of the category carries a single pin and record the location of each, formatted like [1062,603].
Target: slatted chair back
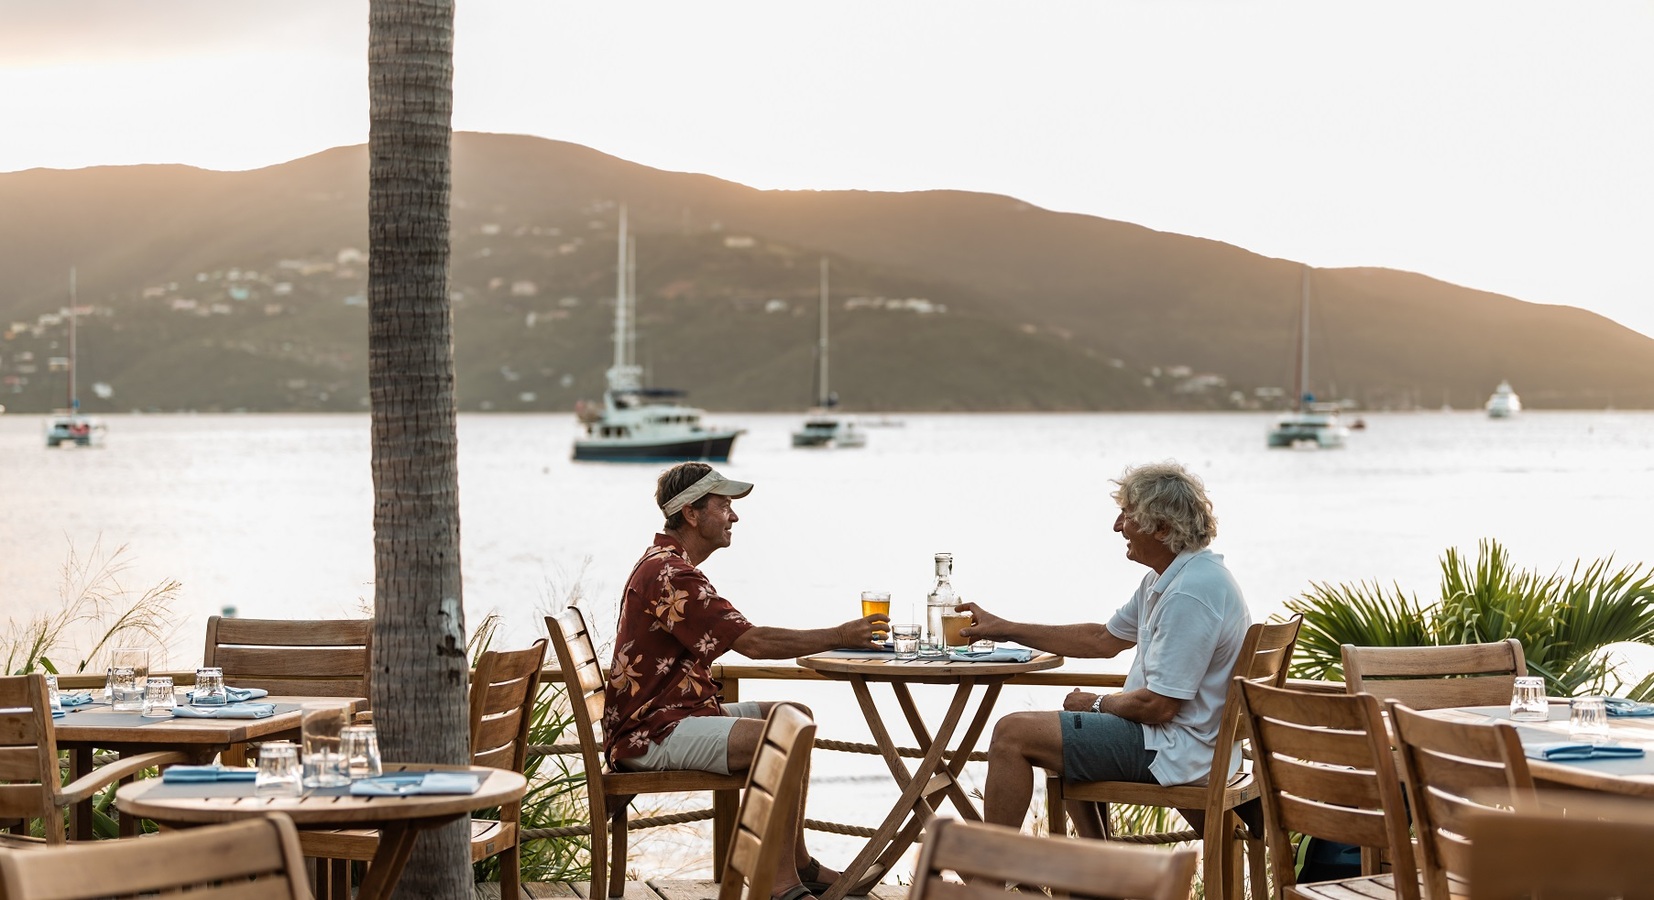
[1436,677]
[985,858]
[770,806]
[28,750]
[1453,771]
[312,658]
[608,792]
[255,859]
[1264,655]
[1594,852]
[1325,769]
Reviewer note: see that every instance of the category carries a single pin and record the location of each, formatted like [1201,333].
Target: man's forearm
[1086,641]
[1141,705]
[765,642]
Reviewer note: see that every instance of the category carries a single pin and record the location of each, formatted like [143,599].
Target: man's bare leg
[1022,742]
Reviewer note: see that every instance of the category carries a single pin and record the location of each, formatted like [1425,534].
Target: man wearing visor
[662,709]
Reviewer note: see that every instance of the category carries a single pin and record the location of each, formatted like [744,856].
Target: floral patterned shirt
[673,625]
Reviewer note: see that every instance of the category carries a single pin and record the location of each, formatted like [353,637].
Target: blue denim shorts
[1104,747]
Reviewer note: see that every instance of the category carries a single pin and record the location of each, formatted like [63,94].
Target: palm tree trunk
[420,673]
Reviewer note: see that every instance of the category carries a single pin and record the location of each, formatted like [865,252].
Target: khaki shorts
[699,742]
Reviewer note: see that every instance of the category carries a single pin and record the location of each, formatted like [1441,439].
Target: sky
[1503,145]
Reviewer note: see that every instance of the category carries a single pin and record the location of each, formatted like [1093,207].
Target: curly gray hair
[1167,496]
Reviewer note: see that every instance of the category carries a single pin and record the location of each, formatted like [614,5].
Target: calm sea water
[273,515]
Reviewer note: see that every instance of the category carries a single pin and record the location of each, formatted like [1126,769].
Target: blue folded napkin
[1002,654]
[59,713]
[1564,750]
[74,698]
[233,711]
[1619,706]
[403,783]
[202,774]
[240,695]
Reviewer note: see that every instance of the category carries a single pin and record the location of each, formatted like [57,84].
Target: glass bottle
[940,600]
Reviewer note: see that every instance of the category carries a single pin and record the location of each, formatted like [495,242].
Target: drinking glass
[319,731]
[1527,700]
[952,624]
[53,697]
[359,747]
[906,639]
[278,770]
[128,673]
[209,687]
[158,698]
[875,602]
[1588,719]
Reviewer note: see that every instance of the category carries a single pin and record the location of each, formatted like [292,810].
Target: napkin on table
[240,695]
[403,783]
[1619,706]
[1003,654]
[233,711]
[201,774]
[1555,751]
[74,698]
[59,713]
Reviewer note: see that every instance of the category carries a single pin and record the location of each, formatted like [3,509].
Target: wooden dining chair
[1598,849]
[988,857]
[610,792]
[1453,771]
[1436,677]
[768,818]
[31,783]
[504,688]
[255,859]
[1325,769]
[1263,659]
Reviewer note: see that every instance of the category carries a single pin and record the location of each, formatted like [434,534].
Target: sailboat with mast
[1310,423]
[68,425]
[821,427]
[637,423]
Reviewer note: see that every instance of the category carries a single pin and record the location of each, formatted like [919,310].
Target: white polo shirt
[1188,624]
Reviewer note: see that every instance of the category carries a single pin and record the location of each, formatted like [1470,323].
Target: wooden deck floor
[660,889]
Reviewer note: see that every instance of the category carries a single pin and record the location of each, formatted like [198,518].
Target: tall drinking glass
[876,602]
[320,730]
[129,673]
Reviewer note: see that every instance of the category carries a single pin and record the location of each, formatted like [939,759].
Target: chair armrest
[125,767]
[364,717]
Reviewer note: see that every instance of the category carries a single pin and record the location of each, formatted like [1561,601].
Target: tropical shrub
[1567,625]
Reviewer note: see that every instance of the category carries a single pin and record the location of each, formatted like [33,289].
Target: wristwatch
[1097,704]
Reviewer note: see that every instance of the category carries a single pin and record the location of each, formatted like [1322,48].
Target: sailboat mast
[74,395]
[1303,344]
[622,345]
[821,343]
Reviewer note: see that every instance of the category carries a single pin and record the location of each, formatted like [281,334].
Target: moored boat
[1310,423]
[637,423]
[69,425]
[822,427]
[1503,403]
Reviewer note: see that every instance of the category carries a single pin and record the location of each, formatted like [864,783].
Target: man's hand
[985,626]
[857,634]
[1079,701]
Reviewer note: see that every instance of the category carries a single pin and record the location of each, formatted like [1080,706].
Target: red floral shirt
[673,625]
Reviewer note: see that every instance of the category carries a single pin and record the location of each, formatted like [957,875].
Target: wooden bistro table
[938,770]
[1629,777]
[87,728]
[399,819]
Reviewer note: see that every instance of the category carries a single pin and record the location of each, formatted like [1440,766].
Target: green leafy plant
[1567,624]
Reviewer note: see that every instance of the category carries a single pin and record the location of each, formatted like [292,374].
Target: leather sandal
[810,875]
[796,892]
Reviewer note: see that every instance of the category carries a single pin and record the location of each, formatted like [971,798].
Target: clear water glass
[1588,719]
[906,640]
[209,687]
[1527,700]
[359,746]
[128,672]
[53,697]
[320,731]
[158,697]
[279,774]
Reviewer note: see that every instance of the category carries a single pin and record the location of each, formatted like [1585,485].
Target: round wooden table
[938,770]
[399,819]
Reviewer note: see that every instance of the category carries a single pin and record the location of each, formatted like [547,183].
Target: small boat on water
[822,428]
[636,423]
[1503,403]
[1310,423]
[69,425]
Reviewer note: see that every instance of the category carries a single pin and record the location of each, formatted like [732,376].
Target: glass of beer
[952,624]
[876,602]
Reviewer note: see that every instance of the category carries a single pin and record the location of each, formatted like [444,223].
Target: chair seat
[629,784]
[1241,788]
[10,841]
[1365,887]
[488,837]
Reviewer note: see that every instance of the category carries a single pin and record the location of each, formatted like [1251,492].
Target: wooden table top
[150,799]
[1631,777]
[924,671]
[100,726]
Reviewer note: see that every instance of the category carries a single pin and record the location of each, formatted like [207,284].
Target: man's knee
[1021,733]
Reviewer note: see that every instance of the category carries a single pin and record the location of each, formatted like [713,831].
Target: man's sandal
[811,875]
[796,892]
